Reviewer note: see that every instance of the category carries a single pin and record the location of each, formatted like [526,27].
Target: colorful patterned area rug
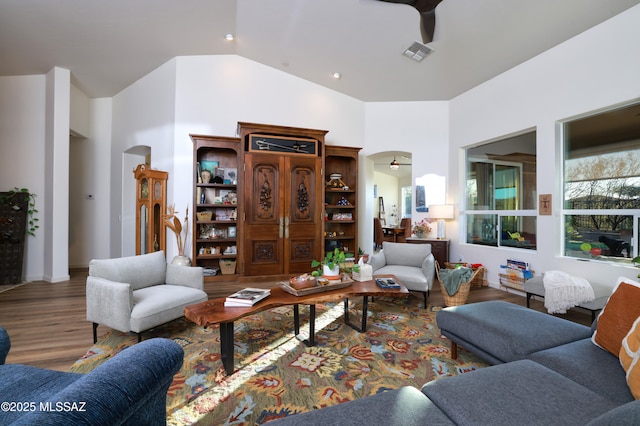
[277,375]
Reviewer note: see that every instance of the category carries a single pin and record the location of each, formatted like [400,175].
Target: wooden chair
[378,233]
[406,224]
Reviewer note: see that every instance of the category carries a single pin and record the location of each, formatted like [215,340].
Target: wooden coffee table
[214,312]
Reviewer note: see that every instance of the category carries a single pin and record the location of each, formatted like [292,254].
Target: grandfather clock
[151,205]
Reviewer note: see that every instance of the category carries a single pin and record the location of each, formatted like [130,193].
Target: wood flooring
[47,326]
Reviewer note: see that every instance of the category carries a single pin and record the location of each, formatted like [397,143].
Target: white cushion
[139,271]
[405,254]
[159,304]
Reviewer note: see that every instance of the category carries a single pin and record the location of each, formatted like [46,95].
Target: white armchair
[137,293]
[413,264]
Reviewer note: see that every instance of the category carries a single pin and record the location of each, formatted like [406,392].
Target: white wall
[80,119]
[56,168]
[143,116]
[34,129]
[22,130]
[80,212]
[421,128]
[388,189]
[596,69]
[214,93]
[89,176]
[209,95]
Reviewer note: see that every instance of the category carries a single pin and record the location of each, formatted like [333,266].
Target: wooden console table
[439,248]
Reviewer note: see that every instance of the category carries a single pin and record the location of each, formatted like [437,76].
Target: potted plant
[330,266]
[31,211]
[362,255]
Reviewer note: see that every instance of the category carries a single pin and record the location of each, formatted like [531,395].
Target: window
[602,185]
[406,201]
[501,193]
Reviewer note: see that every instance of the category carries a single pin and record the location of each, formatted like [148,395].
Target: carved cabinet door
[283,205]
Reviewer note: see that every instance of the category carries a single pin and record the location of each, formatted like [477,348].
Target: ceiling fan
[395,165]
[427,9]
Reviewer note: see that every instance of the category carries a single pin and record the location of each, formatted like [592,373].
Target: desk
[439,248]
[214,312]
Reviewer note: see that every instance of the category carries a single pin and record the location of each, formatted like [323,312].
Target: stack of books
[247,297]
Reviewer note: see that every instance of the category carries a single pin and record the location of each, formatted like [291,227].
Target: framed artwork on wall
[420,199]
[544,204]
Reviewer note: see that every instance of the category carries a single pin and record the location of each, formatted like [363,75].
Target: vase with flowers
[421,229]
[172,222]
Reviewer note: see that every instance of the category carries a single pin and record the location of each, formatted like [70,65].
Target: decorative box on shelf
[342,216]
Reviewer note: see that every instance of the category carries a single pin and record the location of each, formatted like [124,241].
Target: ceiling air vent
[417,51]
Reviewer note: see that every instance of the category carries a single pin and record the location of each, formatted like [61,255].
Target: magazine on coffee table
[247,297]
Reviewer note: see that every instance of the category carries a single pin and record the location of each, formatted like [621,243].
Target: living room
[160,110]
[596,70]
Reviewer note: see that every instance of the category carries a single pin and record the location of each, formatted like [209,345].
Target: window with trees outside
[501,193]
[405,203]
[602,185]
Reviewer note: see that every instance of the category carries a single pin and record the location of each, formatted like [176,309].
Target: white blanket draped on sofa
[563,291]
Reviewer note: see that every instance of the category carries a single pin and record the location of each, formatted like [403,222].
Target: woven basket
[479,280]
[204,216]
[228,267]
[461,296]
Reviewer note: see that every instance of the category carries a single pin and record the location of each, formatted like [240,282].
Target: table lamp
[441,212]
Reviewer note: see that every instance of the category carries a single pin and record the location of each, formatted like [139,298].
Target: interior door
[283,228]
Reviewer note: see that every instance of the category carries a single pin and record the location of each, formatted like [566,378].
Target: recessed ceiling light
[229,37]
[337,75]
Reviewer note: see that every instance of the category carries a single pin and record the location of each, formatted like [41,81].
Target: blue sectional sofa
[131,388]
[546,371]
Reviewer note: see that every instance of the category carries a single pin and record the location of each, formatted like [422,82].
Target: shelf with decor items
[341,199]
[216,167]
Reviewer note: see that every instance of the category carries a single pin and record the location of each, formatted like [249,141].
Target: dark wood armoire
[283,198]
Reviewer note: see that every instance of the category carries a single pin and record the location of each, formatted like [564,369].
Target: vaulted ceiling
[107,45]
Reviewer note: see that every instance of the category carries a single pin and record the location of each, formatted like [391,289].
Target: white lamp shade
[441,211]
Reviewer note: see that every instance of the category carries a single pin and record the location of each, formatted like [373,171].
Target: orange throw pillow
[618,315]
[630,356]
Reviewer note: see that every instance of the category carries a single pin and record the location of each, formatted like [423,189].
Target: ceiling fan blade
[427,15]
